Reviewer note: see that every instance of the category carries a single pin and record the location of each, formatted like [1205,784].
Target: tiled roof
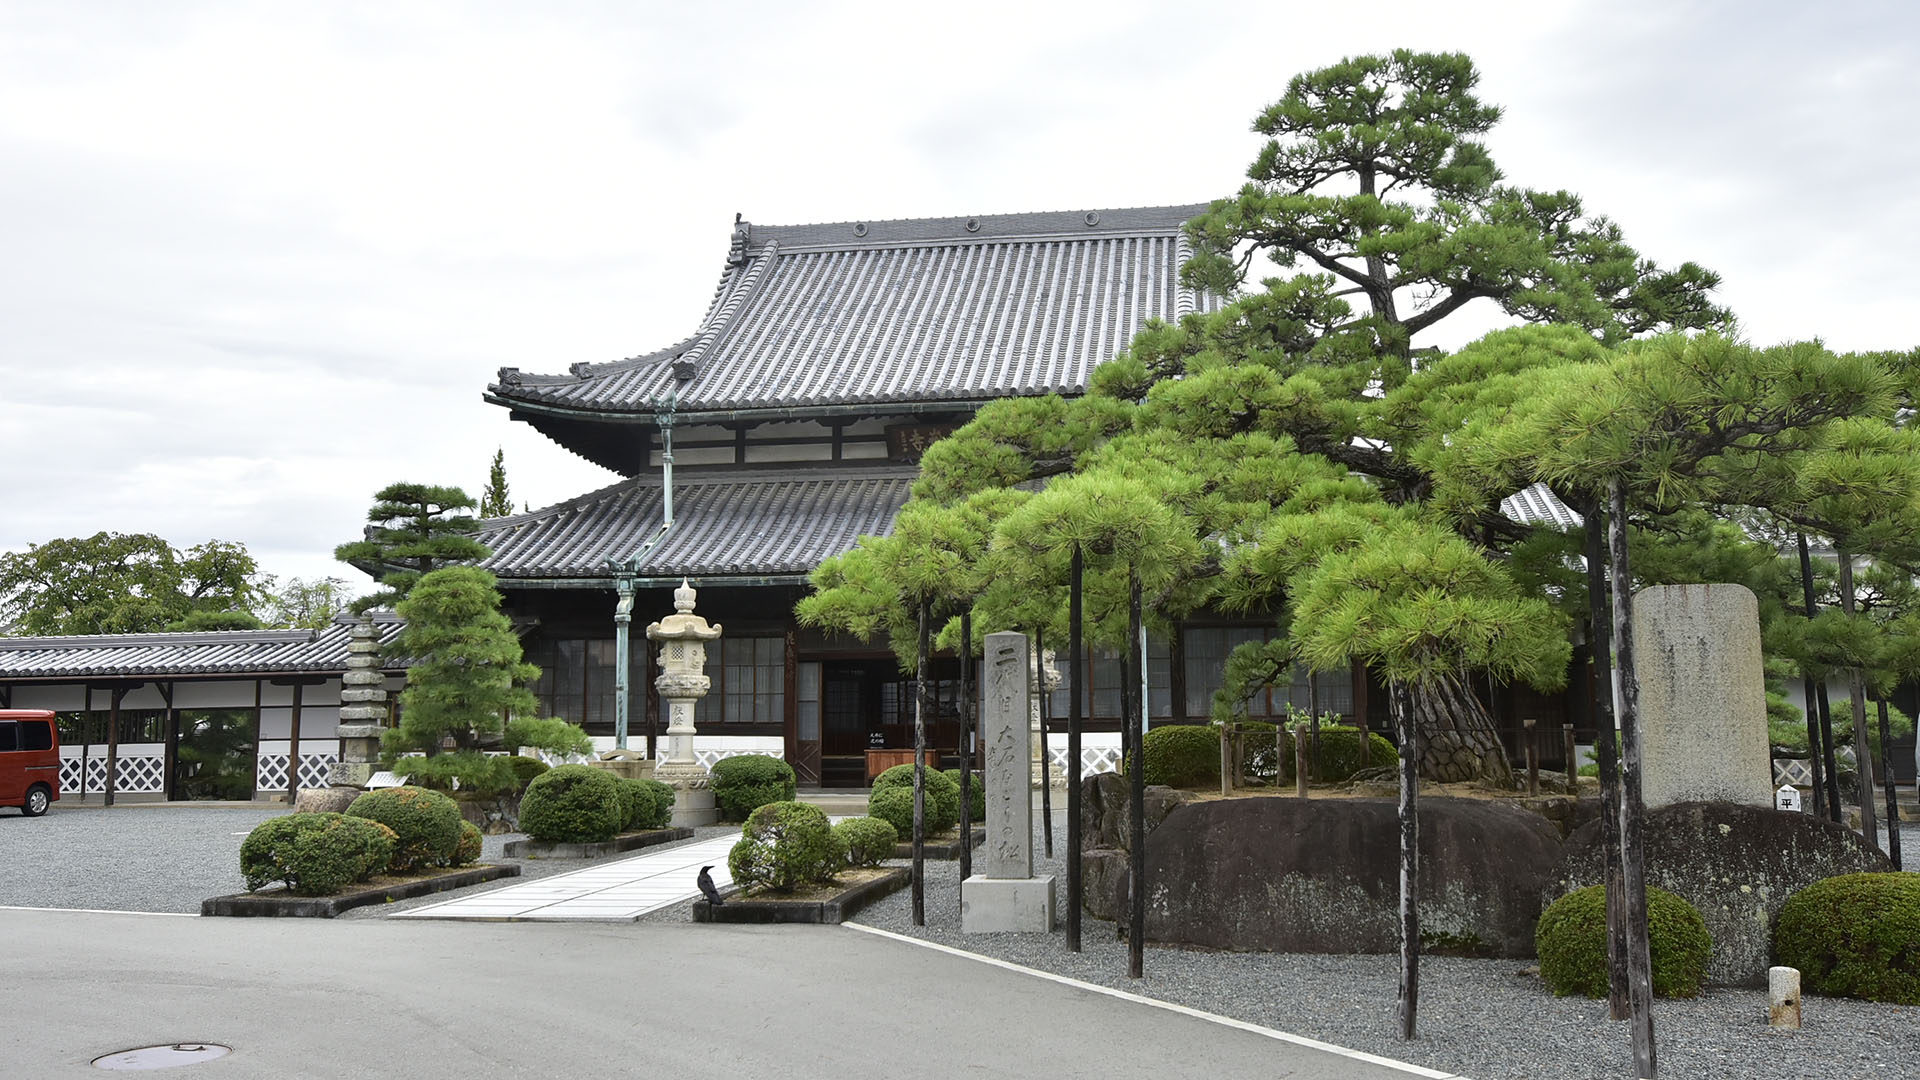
[935,309]
[1536,505]
[210,652]
[745,523]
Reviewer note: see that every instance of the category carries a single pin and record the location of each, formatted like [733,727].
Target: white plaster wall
[213,695]
[864,451]
[63,698]
[788,452]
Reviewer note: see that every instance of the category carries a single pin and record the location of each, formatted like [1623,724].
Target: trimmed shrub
[784,845]
[1857,935]
[573,804]
[525,769]
[746,782]
[662,805]
[636,802]
[315,854]
[427,824]
[943,797]
[1182,755]
[1340,753]
[894,806]
[1571,938]
[976,793]
[868,841]
[468,852]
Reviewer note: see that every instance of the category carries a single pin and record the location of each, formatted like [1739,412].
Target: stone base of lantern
[692,798]
[1003,905]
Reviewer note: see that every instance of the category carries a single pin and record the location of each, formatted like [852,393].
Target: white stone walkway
[618,891]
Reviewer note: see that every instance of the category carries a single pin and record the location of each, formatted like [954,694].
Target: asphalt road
[426,1000]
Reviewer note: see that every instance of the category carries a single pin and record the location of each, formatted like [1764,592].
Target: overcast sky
[258,260]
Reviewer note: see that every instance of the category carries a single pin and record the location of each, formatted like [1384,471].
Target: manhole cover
[162,1057]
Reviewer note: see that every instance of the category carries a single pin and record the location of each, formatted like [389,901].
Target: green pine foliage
[1857,935]
[495,501]
[466,675]
[1571,939]
[413,530]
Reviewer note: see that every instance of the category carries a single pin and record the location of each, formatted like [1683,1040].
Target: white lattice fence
[1093,759]
[137,774]
[270,772]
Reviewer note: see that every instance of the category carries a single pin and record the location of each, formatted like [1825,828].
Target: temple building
[788,423]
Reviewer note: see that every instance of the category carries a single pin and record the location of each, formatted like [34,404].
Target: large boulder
[1104,802]
[326,800]
[1323,875]
[1737,864]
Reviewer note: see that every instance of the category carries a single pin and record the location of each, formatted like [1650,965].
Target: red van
[29,760]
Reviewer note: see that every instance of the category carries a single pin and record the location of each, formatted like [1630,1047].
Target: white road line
[1228,1021]
[104,911]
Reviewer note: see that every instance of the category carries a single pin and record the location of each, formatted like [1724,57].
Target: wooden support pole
[1076,574]
[1632,806]
[293,746]
[1893,806]
[965,750]
[1300,759]
[1819,722]
[113,743]
[1133,712]
[920,772]
[1046,735]
[1606,751]
[1857,697]
[1570,758]
[1400,701]
[1226,760]
[1532,727]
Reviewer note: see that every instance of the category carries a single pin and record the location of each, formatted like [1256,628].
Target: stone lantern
[683,638]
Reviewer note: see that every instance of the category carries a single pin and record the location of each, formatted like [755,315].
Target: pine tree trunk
[1458,740]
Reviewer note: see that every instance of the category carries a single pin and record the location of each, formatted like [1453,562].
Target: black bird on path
[706,887]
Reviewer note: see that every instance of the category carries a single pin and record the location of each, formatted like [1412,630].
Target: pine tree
[494,499]
[467,684]
[415,529]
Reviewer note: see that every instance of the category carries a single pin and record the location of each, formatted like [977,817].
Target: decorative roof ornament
[683,597]
[742,233]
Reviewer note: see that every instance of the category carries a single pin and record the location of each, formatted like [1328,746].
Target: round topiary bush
[573,804]
[1857,935]
[868,841]
[426,822]
[784,845]
[943,797]
[468,852]
[315,854]
[976,793]
[894,806]
[1571,938]
[525,769]
[1182,755]
[636,802]
[662,806]
[745,782]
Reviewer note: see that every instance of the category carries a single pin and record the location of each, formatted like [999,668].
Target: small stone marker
[1703,703]
[1783,998]
[1787,798]
[1003,895]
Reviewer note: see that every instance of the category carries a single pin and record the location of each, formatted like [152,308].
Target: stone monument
[683,638]
[363,716]
[1003,894]
[1046,679]
[1703,703]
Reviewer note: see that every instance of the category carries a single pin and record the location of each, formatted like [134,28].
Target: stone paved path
[622,890]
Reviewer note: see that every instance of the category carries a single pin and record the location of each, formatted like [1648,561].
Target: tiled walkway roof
[1536,505]
[207,652]
[751,523]
[936,309]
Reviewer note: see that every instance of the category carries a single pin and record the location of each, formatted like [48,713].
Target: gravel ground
[1488,1019]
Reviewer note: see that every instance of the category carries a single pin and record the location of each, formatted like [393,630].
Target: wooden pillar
[293,744]
[790,683]
[113,743]
[171,754]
